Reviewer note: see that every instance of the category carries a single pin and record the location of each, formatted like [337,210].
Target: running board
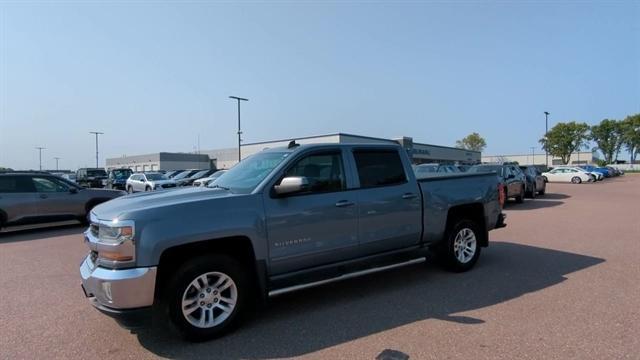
[344,277]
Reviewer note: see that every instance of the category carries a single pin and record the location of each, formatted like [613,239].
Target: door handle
[344,203]
[409,196]
[43,196]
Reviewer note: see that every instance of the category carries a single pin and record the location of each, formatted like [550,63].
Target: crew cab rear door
[389,202]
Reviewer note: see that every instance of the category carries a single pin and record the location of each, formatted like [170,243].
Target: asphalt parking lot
[560,282]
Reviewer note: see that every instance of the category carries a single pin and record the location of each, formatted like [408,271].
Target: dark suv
[117,178]
[509,175]
[91,177]
[36,197]
[535,181]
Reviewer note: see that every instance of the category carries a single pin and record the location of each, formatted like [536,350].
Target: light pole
[546,132]
[239,132]
[96,133]
[533,155]
[57,158]
[40,148]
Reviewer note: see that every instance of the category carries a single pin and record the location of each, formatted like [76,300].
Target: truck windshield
[246,175]
[96,172]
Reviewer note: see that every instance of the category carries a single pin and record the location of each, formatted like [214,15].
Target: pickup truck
[281,220]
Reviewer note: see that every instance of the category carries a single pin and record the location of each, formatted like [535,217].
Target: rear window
[379,168]
[96,172]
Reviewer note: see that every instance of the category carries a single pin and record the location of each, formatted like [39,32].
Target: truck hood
[147,201]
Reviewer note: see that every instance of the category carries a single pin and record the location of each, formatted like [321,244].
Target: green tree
[608,137]
[631,135]
[473,142]
[565,138]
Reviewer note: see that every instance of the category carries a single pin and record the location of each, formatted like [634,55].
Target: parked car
[509,175]
[148,182]
[567,174]
[170,174]
[69,177]
[117,178]
[91,177]
[594,176]
[426,170]
[36,197]
[184,175]
[198,175]
[208,180]
[615,171]
[535,182]
[596,170]
[281,220]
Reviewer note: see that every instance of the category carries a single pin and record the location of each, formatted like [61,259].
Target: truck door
[389,203]
[318,226]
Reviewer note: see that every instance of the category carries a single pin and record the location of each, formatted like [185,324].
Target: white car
[567,174]
[148,182]
[207,180]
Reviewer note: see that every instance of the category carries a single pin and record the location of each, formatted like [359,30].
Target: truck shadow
[314,319]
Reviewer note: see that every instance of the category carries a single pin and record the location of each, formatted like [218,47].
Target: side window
[324,172]
[48,185]
[506,172]
[379,168]
[15,184]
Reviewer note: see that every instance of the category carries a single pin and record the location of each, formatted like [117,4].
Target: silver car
[206,181]
[149,182]
[37,197]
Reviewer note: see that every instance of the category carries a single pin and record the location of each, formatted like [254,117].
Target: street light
[40,148]
[533,155]
[96,133]
[239,132]
[57,158]
[546,132]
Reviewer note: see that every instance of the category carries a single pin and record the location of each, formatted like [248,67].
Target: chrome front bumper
[118,289]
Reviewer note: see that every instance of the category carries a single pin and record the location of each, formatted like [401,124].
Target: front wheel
[576,180]
[461,248]
[206,296]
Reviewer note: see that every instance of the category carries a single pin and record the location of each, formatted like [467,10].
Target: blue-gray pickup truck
[281,220]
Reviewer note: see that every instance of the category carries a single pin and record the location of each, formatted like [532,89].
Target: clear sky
[153,76]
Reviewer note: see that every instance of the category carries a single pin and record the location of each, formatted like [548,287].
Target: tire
[576,180]
[520,197]
[448,252]
[194,325]
[130,189]
[544,189]
[532,193]
[148,188]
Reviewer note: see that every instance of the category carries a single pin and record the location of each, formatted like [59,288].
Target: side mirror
[73,190]
[291,185]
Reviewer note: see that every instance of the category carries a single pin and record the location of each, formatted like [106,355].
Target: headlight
[114,235]
[113,243]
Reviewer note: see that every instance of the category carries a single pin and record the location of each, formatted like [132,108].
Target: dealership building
[226,158]
[577,158]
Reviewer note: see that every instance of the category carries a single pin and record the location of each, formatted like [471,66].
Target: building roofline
[354,135]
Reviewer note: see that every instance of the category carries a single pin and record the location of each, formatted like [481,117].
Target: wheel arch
[473,212]
[238,247]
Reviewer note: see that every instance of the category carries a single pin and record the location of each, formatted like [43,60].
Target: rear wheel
[533,191]
[544,189]
[576,180]
[461,248]
[206,297]
[129,189]
[520,197]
